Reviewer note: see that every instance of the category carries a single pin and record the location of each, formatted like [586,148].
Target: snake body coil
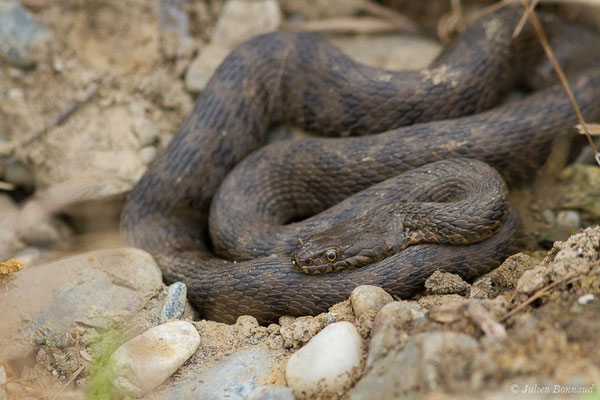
[302,80]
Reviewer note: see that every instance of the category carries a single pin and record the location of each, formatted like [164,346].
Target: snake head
[340,248]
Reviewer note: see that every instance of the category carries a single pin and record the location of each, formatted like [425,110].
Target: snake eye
[331,255]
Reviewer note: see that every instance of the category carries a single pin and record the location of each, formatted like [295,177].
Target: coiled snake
[260,211]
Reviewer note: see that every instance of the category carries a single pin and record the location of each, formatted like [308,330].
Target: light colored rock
[585,299]
[420,365]
[272,393]
[390,51]
[147,360]
[95,288]
[328,363]
[2,375]
[233,378]
[46,232]
[19,32]
[446,283]
[15,172]
[369,298]
[389,328]
[300,331]
[148,154]
[568,219]
[240,20]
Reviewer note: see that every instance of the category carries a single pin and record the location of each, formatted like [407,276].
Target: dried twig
[55,120]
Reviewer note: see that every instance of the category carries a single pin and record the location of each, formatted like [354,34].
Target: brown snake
[300,79]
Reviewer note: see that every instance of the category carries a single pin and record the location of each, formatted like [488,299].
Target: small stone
[15,172]
[46,232]
[369,298]
[532,280]
[175,303]
[568,219]
[240,20]
[328,363]
[390,326]
[3,378]
[19,33]
[148,154]
[503,279]
[446,283]
[147,360]
[300,331]
[272,393]
[585,299]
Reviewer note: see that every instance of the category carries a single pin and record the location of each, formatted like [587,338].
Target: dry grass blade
[539,294]
[67,383]
[6,186]
[592,129]
[523,19]
[561,75]
[401,21]
[344,25]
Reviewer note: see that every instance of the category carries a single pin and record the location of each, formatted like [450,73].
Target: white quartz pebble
[328,363]
[148,359]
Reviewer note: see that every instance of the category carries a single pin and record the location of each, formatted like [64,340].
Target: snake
[409,175]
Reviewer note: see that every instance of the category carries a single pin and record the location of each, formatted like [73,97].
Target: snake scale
[421,140]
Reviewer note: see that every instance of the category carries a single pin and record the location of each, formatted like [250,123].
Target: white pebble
[327,363]
[147,360]
[568,219]
[585,299]
[3,379]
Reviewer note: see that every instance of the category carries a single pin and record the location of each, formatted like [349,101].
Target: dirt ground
[126,69]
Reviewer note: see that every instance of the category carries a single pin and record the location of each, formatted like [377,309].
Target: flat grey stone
[18,33]
[234,378]
[95,289]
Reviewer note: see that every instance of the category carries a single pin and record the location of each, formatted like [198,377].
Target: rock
[390,326]
[568,219]
[581,191]
[240,20]
[328,363]
[390,51]
[369,298]
[15,172]
[503,279]
[2,375]
[575,256]
[585,299]
[20,34]
[272,393]
[300,331]
[234,378]
[46,232]
[147,360]
[446,283]
[148,154]
[427,361]
[175,303]
[94,289]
